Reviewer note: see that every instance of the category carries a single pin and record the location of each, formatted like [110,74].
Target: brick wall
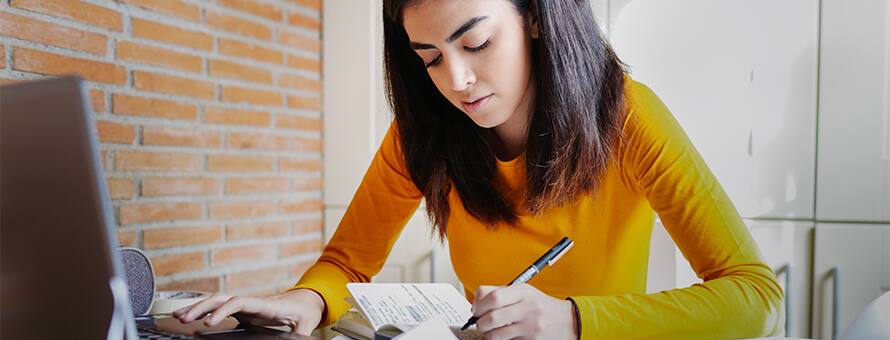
[208,114]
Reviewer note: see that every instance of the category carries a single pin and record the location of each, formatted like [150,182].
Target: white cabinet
[786,247]
[854,112]
[740,76]
[851,258]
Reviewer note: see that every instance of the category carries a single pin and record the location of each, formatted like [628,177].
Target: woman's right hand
[301,309]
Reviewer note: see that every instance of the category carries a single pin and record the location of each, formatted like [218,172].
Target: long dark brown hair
[573,129]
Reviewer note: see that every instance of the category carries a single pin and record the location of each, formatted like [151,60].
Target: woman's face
[478,53]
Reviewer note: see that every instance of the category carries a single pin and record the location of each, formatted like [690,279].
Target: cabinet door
[740,76]
[786,247]
[854,111]
[856,252]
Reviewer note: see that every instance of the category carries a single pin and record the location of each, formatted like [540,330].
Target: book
[405,311]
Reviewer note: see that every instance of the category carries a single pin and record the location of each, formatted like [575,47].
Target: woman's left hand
[520,310]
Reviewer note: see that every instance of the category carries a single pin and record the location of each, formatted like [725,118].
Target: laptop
[60,273]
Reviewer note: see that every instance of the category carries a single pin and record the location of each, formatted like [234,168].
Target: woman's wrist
[576,317]
[306,296]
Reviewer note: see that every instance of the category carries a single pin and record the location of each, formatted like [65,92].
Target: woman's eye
[478,48]
[433,62]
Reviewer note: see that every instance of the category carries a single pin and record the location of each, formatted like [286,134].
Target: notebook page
[410,303]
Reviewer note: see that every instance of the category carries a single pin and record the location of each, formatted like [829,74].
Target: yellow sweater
[655,168]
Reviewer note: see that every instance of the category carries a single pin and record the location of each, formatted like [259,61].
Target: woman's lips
[477,105]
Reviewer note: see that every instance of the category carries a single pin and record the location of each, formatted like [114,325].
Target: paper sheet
[432,329]
[410,303]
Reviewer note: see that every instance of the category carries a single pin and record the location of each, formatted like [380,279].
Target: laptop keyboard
[154,334]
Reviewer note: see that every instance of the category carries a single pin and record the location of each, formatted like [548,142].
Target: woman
[516,123]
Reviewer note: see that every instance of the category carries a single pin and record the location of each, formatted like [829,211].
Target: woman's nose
[462,76]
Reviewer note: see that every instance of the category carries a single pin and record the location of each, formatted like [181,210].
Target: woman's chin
[486,121]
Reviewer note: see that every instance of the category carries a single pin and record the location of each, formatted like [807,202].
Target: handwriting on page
[411,304]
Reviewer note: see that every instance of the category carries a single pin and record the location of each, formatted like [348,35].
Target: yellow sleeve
[382,205]
[739,297]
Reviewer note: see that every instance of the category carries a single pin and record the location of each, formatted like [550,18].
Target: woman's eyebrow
[457,34]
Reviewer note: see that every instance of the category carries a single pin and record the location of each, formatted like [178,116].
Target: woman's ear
[533,27]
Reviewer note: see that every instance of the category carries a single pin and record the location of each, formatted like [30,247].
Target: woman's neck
[512,134]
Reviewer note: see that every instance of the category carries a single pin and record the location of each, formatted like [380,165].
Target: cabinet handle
[835,275]
[786,269]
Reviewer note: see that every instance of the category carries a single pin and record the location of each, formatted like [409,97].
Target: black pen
[548,259]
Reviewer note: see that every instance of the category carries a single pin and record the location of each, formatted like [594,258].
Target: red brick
[126,238]
[131,51]
[236,117]
[238,49]
[206,284]
[240,185]
[232,255]
[156,161]
[311,4]
[307,145]
[307,226]
[110,132]
[239,163]
[170,7]
[299,165]
[254,7]
[248,140]
[120,188]
[178,263]
[239,210]
[214,115]
[177,237]
[229,70]
[302,63]
[304,103]
[298,122]
[139,106]
[308,22]
[302,42]
[156,212]
[237,25]
[307,184]
[257,97]
[55,64]
[294,248]
[97,100]
[2,56]
[247,279]
[164,135]
[15,26]
[301,206]
[250,231]
[300,83]
[171,34]
[75,10]
[6,81]
[173,186]
[173,85]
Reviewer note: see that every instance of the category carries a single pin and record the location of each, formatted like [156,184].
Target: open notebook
[406,311]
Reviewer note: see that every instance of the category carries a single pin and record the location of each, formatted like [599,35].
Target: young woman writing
[516,122]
